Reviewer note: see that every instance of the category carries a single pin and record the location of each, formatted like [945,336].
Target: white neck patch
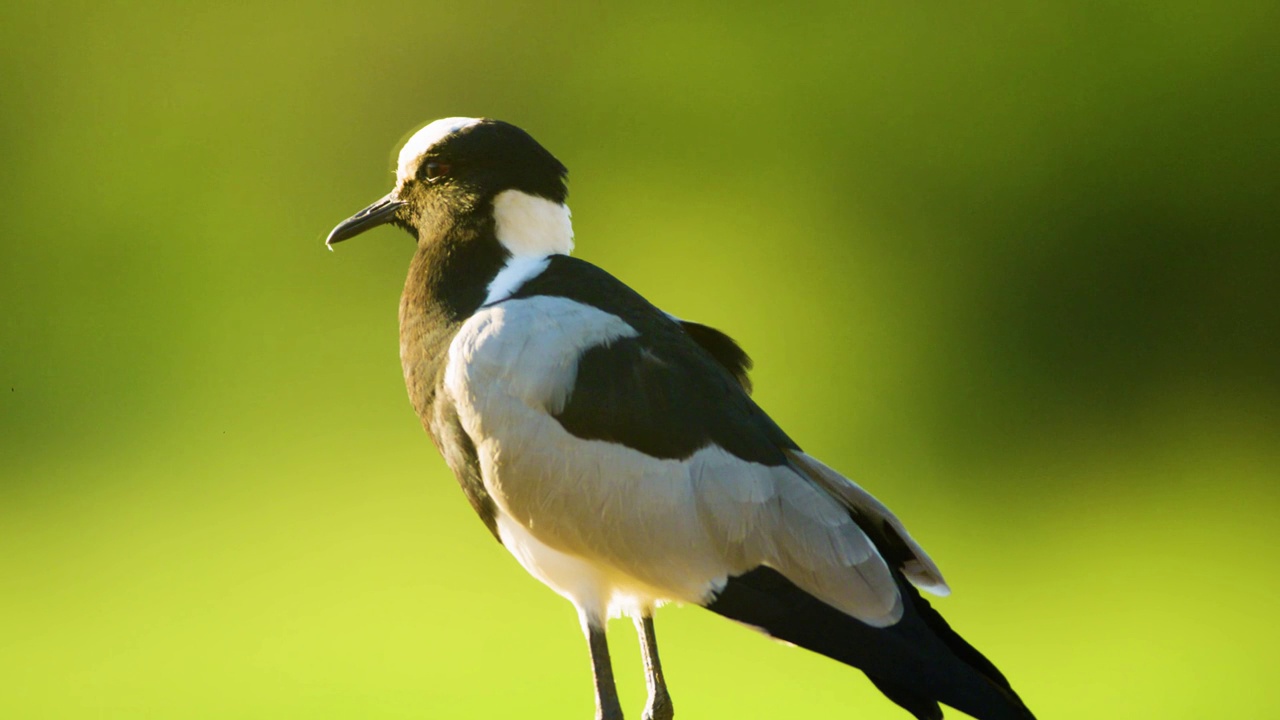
[530,226]
[532,229]
[423,140]
[518,271]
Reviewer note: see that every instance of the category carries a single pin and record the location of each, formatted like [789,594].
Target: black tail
[918,662]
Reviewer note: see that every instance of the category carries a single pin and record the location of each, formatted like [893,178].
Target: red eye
[436,170]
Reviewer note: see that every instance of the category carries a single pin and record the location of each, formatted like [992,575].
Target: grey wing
[911,559]
[774,516]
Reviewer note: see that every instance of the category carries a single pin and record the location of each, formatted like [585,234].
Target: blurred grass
[1012,267]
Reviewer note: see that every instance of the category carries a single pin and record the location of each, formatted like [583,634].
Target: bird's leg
[659,706]
[607,705]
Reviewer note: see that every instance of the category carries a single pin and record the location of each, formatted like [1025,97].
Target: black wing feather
[917,662]
[723,348]
[667,392]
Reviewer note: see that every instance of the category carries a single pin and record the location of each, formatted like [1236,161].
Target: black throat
[448,280]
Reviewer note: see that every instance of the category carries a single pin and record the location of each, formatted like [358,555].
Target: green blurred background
[1014,267]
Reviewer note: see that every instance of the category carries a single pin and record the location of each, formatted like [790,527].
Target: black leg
[607,706]
[659,706]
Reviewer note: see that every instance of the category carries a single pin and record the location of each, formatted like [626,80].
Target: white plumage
[423,140]
[527,225]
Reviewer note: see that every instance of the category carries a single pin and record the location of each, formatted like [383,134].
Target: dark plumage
[917,662]
[662,392]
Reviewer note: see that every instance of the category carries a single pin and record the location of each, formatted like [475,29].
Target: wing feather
[756,514]
[914,562]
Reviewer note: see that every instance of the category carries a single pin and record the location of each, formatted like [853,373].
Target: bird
[615,449]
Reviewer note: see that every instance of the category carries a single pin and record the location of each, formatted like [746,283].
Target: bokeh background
[1014,267]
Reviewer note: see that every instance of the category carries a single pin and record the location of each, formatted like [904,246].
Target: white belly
[597,589]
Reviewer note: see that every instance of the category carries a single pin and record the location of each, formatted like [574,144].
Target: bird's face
[460,169]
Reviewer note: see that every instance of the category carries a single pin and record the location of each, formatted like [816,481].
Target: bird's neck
[449,275]
[446,284]
[463,263]
[458,258]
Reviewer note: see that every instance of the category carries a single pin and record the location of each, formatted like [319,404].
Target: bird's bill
[380,212]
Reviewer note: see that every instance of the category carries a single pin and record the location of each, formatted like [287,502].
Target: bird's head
[470,172]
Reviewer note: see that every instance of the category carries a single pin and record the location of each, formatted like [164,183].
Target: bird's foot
[659,707]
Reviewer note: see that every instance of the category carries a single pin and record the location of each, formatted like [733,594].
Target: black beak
[380,213]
